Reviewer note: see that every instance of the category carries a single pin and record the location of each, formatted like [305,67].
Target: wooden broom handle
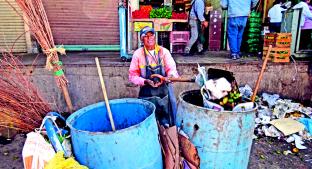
[261,74]
[104,93]
[67,98]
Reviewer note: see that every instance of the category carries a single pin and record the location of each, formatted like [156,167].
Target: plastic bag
[36,151]
[59,162]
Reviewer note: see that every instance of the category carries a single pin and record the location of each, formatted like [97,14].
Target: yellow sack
[59,162]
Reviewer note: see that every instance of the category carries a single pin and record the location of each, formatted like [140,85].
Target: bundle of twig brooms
[21,106]
[35,17]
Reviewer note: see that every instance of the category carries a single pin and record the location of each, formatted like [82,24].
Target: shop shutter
[12,28]
[80,22]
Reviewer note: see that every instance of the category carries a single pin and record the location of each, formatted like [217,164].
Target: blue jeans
[236,26]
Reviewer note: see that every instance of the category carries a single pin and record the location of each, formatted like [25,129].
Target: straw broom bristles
[35,17]
[21,106]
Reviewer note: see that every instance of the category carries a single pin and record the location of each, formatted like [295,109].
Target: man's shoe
[234,56]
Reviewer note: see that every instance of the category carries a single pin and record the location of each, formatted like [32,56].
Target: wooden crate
[281,40]
[277,54]
[283,36]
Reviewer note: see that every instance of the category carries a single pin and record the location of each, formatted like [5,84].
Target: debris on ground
[284,120]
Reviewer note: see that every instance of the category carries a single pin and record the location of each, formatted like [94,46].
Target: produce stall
[163,18]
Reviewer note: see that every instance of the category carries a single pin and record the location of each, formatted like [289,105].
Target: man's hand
[205,24]
[150,82]
[167,79]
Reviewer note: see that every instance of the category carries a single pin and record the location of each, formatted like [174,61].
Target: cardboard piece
[287,126]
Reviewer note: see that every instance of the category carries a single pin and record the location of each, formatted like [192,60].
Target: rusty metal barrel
[223,138]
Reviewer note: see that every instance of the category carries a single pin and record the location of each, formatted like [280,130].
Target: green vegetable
[164,12]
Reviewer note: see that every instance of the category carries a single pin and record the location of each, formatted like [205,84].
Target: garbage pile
[283,119]
[49,146]
[275,117]
[220,91]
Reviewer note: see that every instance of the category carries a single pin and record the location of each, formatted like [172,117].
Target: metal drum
[223,138]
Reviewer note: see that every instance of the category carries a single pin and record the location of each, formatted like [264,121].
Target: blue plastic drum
[134,144]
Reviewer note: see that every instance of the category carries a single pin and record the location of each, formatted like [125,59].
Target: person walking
[197,23]
[238,11]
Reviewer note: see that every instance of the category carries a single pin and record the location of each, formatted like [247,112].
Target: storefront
[12,29]
[170,20]
[84,25]
[169,23]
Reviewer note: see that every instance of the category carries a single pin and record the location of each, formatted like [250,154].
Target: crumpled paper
[270,99]
[271,131]
[298,141]
[284,106]
[246,91]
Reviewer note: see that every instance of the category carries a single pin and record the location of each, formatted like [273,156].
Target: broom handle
[67,98]
[261,74]
[104,93]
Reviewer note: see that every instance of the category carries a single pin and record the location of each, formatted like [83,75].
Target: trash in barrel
[134,144]
[223,138]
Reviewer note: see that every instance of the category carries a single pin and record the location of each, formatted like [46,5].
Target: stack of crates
[281,43]
[215,25]
[253,32]
[178,41]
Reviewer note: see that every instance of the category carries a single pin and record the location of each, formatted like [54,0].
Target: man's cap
[145,30]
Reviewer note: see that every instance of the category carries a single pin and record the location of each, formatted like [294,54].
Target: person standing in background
[197,22]
[306,13]
[238,11]
[306,18]
[275,15]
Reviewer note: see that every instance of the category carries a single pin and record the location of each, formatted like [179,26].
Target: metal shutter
[11,27]
[78,22]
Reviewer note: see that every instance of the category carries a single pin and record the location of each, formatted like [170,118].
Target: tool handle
[172,79]
[104,93]
[253,97]
[181,79]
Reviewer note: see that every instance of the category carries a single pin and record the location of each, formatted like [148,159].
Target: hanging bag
[36,151]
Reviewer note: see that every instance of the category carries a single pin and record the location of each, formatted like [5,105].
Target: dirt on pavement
[266,153]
